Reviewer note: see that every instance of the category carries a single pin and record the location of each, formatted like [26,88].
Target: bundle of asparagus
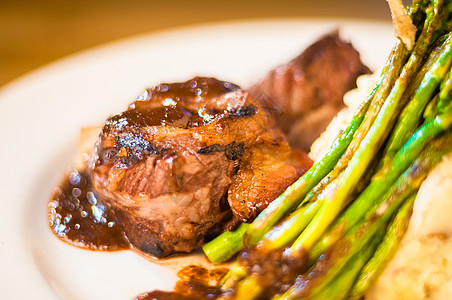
[331,233]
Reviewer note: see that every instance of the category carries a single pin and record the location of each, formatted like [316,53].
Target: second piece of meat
[307,92]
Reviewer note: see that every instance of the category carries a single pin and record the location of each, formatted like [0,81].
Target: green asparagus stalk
[381,181]
[341,285]
[431,109]
[361,234]
[370,145]
[225,245]
[292,197]
[296,193]
[410,116]
[337,257]
[318,201]
[235,274]
[285,233]
[340,254]
[390,72]
[229,243]
[248,289]
[339,198]
[276,210]
[445,94]
[384,252]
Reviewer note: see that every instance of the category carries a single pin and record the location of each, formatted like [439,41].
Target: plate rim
[7,91]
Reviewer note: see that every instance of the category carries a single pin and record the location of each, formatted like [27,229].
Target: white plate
[41,114]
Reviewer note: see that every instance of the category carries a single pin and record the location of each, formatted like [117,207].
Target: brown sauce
[163,295]
[200,87]
[176,104]
[79,216]
[195,282]
[172,115]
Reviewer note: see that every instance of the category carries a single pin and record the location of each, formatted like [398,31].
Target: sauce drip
[195,282]
[174,116]
[79,216]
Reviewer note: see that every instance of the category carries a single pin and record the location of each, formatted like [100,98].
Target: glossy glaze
[78,215]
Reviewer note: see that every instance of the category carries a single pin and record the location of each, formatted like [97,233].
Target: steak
[189,158]
[307,92]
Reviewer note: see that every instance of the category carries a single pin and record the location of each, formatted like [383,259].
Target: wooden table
[36,32]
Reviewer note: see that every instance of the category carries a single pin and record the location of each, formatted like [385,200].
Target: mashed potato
[422,266]
[352,100]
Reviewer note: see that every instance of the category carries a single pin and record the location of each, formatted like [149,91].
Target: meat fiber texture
[422,266]
[188,159]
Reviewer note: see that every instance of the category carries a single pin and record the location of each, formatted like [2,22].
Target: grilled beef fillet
[307,92]
[175,164]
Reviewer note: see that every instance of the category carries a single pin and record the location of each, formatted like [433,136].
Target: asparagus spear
[363,232]
[341,285]
[225,245]
[354,241]
[372,195]
[292,197]
[297,192]
[285,203]
[411,114]
[248,289]
[385,176]
[371,143]
[286,233]
[228,243]
[384,252]
[431,109]
[445,94]
[366,142]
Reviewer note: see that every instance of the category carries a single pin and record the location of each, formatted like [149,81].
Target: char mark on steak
[233,151]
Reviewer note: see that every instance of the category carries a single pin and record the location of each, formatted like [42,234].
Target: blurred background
[36,32]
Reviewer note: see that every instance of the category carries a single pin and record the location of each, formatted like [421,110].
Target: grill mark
[245,112]
[233,151]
